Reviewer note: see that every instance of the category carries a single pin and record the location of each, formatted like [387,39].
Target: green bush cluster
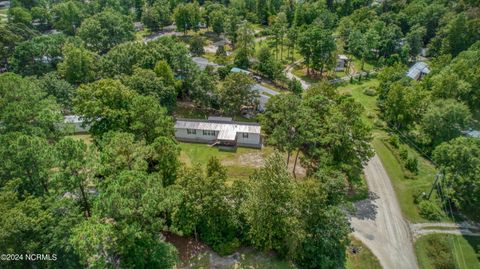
[430,211]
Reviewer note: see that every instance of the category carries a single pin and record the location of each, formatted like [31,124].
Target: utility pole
[437,177]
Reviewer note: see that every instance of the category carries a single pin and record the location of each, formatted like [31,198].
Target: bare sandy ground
[379,224]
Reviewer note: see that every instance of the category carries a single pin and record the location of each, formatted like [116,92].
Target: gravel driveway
[379,223]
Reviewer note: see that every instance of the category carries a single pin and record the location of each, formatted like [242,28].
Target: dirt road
[379,224]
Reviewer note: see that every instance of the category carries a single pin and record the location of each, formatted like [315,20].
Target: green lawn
[240,164]
[364,259]
[462,251]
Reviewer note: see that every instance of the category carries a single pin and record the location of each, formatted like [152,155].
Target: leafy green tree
[146,82]
[29,226]
[269,209]
[444,120]
[205,210]
[96,242]
[20,15]
[458,79]
[28,158]
[108,105]
[42,18]
[187,17]
[295,86]
[317,46]
[75,171]
[104,105]
[324,238]
[237,92]
[280,123]
[157,15]
[148,120]
[196,45]
[104,30]
[334,134]
[57,87]
[415,40]
[241,59]
[267,64]
[231,28]
[12,34]
[245,40]
[38,55]
[279,29]
[217,21]
[25,108]
[404,105]
[164,71]
[460,161]
[68,16]
[78,65]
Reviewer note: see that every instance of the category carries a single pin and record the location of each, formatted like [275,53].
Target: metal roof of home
[417,69]
[72,119]
[239,70]
[227,128]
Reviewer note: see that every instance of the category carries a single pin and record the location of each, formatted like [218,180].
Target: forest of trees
[108,203]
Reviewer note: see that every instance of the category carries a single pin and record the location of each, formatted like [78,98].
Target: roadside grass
[461,251]
[405,188]
[405,183]
[364,259]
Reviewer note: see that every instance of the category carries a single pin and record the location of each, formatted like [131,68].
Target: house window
[209,132]
[191,131]
[245,135]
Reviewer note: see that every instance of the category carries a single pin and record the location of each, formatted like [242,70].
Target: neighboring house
[342,62]
[418,71]
[246,72]
[472,133]
[74,123]
[219,131]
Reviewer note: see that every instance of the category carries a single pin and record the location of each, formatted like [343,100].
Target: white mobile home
[219,131]
[75,124]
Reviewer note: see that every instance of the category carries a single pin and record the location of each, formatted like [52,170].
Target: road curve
[379,223]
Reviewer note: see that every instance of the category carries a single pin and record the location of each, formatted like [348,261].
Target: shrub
[429,210]
[403,153]
[412,164]
[394,141]
[440,253]
[227,248]
[370,92]
[418,196]
[223,72]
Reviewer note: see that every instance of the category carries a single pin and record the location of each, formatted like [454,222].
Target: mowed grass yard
[462,251]
[239,164]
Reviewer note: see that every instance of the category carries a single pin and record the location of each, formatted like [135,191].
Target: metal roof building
[218,131]
[418,70]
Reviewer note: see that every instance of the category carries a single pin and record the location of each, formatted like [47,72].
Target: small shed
[418,71]
[342,62]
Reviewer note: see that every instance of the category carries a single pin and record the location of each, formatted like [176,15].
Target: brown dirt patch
[187,247]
